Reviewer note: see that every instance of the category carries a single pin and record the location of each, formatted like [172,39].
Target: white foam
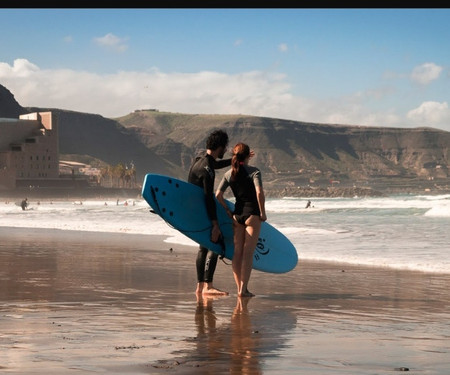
[399,232]
[443,210]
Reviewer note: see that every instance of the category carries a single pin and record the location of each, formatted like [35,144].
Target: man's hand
[215,232]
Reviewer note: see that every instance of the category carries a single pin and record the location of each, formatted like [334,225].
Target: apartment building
[29,150]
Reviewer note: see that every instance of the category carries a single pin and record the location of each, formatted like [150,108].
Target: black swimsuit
[244,190]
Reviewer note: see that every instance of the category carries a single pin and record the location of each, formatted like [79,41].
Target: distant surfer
[308,205]
[24,204]
[203,175]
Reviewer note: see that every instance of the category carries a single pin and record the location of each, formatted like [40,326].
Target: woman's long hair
[240,152]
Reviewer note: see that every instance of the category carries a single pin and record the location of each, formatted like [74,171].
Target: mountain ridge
[289,153]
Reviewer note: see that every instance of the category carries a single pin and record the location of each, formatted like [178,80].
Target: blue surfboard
[182,205]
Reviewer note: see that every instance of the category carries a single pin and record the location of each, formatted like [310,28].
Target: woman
[249,211]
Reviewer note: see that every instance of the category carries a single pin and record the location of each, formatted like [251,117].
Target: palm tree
[106,176]
[119,174]
[130,176]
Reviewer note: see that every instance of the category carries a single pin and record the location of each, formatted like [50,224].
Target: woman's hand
[263,217]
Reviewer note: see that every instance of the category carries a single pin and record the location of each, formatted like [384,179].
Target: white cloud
[426,73]
[255,93]
[283,47]
[112,42]
[21,68]
[431,114]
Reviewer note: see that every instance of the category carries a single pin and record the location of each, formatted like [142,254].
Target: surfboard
[182,205]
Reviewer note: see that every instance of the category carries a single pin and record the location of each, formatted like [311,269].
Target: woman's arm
[261,202]
[223,185]
[221,199]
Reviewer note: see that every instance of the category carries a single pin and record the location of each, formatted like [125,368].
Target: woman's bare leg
[252,229]
[239,238]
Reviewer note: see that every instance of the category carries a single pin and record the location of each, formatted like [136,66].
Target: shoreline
[91,302]
[271,192]
[157,242]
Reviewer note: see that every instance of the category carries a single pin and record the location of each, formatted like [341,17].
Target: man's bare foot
[214,291]
[206,300]
[200,287]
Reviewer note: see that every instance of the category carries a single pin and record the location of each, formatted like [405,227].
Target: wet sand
[86,302]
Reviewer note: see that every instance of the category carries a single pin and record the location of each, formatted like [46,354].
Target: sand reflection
[241,344]
[235,343]
[245,341]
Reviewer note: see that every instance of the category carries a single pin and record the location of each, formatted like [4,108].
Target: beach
[78,302]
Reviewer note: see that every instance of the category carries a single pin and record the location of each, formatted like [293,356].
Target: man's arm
[219,164]
[208,191]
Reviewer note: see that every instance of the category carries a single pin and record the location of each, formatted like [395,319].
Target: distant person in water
[203,175]
[308,205]
[24,204]
[249,213]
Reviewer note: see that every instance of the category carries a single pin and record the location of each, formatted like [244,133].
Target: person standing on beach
[249,212]
[202,174]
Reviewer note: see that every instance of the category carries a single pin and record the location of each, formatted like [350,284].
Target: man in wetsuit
[202,174]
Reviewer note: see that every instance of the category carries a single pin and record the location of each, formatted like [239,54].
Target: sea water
[404,232]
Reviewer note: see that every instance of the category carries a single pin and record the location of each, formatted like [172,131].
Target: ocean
[401,232]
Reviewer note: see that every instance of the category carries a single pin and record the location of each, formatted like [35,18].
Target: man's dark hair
[216,139]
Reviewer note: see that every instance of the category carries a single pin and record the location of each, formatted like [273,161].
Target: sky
[365,67]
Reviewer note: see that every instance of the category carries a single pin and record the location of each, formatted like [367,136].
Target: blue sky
[370,67]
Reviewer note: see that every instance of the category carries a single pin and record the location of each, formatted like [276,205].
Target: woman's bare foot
[246,294]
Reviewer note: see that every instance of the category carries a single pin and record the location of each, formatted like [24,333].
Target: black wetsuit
[244,190]
[202,174]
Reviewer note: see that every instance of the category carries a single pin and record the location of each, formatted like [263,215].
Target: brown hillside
[292,152]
